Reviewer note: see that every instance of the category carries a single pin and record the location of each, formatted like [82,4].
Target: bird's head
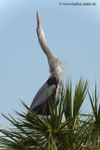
[40,33]
[41,38]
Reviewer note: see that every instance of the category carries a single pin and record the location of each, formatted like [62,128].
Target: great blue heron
[52,87]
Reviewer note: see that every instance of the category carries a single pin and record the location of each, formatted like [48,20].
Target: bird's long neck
[45,48]
[58,73]
[43,44]
[56,70]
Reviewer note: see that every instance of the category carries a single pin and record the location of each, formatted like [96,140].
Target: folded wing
[47,90]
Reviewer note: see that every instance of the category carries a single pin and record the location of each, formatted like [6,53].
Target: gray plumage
[52,87]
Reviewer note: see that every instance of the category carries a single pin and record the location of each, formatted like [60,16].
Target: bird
[51,89]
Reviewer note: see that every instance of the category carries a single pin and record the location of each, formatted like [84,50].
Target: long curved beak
[38,20]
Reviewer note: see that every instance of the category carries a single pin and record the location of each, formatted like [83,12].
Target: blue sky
[73,36]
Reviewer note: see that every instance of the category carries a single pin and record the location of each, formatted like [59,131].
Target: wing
[45,91]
